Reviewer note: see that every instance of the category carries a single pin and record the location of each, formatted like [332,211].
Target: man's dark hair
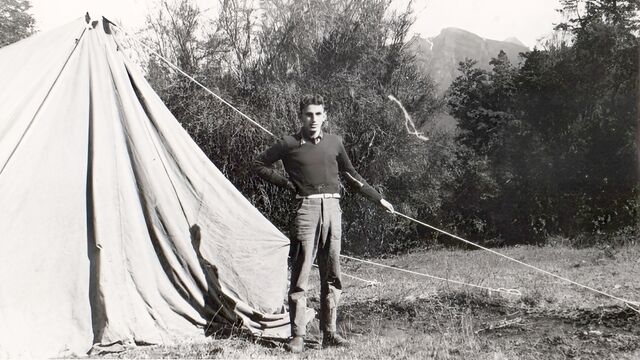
[310,99]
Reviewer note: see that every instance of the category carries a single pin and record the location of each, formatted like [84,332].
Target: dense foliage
[551,148]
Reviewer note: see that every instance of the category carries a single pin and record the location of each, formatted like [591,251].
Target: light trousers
[317,235]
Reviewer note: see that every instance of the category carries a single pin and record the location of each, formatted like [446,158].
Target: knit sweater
[313,167]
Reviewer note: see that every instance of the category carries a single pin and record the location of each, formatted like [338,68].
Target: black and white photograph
[320,179]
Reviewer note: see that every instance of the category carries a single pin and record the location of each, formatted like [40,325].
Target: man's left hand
[387,205]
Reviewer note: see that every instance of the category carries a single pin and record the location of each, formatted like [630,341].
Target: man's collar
[304,137]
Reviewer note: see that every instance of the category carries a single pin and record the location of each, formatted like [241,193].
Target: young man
[313,160]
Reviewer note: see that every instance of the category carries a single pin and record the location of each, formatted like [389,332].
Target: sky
[527,20]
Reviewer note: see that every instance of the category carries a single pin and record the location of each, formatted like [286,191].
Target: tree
[557,136]
[16,23]
[491,196]
[602,68]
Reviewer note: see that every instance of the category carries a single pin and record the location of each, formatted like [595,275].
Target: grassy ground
[408,317]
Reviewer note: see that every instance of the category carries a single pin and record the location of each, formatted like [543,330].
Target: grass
[408,317]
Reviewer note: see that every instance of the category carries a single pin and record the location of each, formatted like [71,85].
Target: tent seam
[43,101]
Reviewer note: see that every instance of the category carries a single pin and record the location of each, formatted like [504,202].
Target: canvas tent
[114,226]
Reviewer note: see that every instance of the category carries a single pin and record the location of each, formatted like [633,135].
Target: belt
[319,196]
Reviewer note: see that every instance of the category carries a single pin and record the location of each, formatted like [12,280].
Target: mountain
[514,40]
[439,56]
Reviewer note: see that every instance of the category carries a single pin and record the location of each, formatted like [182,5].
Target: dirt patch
[498,324]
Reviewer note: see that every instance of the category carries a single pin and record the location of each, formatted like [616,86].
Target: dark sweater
[313,168]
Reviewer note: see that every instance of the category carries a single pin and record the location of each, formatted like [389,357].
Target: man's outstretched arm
[356,181]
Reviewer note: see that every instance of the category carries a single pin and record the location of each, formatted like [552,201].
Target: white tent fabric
[114,226]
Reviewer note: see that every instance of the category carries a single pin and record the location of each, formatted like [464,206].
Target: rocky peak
[439,56]
[514,40]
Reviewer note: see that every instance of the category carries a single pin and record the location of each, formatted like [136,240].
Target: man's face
[312,117]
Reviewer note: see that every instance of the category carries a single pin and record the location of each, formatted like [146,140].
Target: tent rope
[629,303]
[176,68]
[369,282]
[501,290]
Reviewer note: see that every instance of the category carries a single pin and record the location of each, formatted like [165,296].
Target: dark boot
[295,345]
[332,339]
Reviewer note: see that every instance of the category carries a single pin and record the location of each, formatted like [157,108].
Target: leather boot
[295,345]
[332,339]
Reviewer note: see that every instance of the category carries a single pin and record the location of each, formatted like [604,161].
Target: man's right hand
[387,205]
